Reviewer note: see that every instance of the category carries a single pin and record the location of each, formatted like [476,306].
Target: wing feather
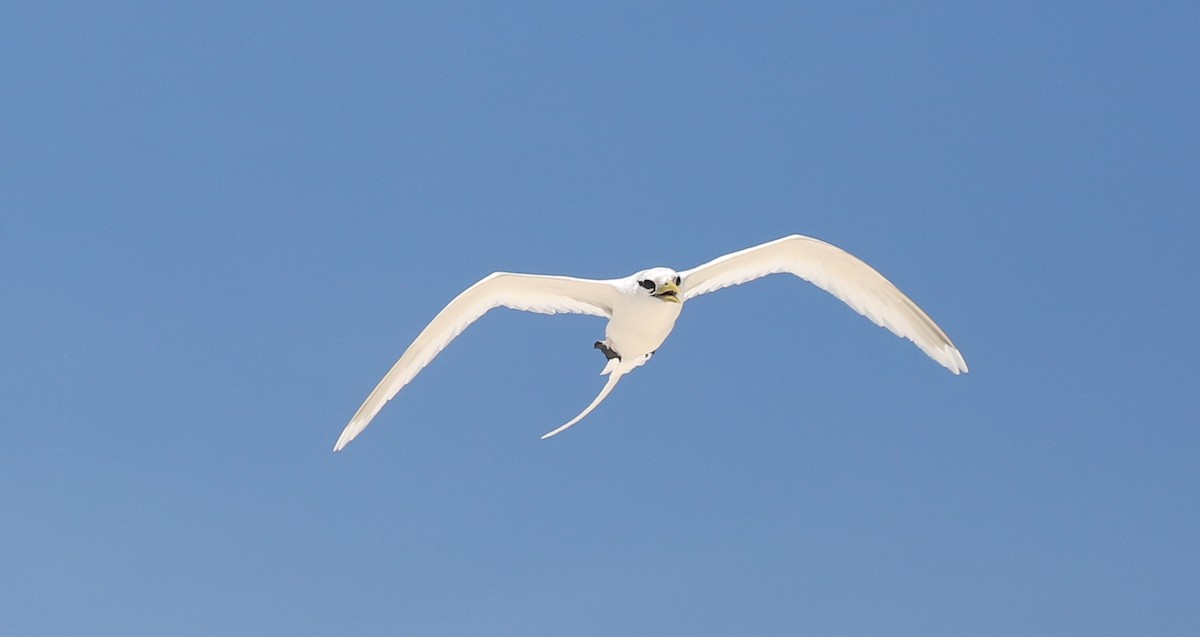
[526,292]
[841,274]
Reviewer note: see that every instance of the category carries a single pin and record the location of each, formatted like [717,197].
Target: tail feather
[613,377]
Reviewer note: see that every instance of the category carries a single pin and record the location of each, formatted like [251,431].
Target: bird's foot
[608,353]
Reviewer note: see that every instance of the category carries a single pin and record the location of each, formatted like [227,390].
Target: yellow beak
[668,292]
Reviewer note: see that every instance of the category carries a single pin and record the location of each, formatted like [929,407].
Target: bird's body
[642,309]
[641,322]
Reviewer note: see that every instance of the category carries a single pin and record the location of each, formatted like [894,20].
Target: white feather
[528,292]
[616,373]
[837,272]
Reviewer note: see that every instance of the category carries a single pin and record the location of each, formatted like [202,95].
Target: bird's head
[660,283]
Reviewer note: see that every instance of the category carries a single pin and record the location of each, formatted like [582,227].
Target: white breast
[639,325]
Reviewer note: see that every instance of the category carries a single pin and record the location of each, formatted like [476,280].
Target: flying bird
[642,308]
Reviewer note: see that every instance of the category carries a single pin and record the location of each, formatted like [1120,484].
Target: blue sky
[221,223]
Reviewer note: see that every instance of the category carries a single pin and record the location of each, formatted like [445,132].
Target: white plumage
[642,309]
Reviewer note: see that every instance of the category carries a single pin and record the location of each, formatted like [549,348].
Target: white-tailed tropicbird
[642,309]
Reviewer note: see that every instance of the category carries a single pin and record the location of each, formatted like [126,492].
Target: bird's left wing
[527,292]
[838,272]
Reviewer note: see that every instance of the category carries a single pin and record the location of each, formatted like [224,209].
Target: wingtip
[342,441]
[957,364]
[350,432]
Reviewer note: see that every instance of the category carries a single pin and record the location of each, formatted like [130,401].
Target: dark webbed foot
[608,353]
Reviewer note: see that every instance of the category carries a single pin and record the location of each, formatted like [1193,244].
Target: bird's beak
[668,292]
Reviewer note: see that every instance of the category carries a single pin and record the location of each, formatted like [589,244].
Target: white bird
[642,309]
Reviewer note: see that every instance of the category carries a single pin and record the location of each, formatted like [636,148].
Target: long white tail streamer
[613,377]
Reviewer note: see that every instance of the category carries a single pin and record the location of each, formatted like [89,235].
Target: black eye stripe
[646,283]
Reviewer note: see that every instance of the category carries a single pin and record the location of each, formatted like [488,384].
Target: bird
[642,310]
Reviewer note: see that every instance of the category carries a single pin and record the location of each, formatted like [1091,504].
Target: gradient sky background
[221,223]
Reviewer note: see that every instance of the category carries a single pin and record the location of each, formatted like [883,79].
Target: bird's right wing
[527,292]
[838,272]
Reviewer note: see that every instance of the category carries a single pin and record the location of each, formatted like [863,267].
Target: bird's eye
[646,283]
[678,280]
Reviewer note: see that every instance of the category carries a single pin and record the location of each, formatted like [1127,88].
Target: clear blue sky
[221,223]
